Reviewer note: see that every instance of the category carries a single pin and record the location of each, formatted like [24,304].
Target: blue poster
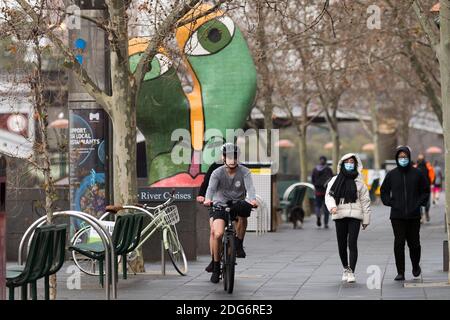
[88,185]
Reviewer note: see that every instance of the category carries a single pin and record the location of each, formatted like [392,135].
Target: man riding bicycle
[228,187]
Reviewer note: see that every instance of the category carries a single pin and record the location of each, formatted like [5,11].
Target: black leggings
[347,231]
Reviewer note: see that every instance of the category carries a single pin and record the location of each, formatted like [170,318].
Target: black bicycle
[228,256]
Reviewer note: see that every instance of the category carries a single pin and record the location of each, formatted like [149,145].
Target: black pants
[319,204]
[408,230]
[347,231]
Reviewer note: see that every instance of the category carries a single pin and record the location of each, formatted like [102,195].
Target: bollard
[2,228]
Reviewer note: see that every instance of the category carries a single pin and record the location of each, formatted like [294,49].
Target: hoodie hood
[407,151]
[359,165]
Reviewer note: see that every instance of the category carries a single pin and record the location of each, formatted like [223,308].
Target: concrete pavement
[294,264]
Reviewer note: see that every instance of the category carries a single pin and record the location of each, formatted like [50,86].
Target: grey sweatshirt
[223,188]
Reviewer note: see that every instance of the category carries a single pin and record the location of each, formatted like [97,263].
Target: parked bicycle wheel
[229,263]
[175,250]
[85,264]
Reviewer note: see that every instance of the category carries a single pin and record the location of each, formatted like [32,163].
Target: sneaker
[215,277]
[319,223]
[326,226]
[210,266]
[345,275]
[416,271]
[351,276]
[400,277]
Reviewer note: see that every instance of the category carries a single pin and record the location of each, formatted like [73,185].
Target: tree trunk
[42,155]
[302,155]
[335,138]
[444,58]
[304,166]
[375,134]
[122,111]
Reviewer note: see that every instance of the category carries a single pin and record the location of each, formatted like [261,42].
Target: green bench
[45,257]
[125,238]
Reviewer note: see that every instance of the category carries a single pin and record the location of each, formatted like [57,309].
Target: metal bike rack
[104,235]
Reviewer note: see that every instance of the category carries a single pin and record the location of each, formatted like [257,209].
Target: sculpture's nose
[197,122]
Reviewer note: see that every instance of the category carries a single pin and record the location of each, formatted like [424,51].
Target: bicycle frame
[157,219]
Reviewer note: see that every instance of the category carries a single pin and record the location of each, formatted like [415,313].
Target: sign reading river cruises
[88,132]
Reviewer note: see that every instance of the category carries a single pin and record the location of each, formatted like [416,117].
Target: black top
[320,177]
[205,183]
[405,190]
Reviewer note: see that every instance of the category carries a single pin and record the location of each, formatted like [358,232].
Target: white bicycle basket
[171,215]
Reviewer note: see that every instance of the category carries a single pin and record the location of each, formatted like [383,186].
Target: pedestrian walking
[405,189]
[347,198]
[320,176]
[437,186]
[428,171]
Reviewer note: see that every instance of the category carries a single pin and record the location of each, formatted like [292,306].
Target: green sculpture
[219,62]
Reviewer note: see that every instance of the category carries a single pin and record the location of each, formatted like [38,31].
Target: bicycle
[164,217]
[228,256]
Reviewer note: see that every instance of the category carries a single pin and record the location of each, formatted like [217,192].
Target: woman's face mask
[349,166]
[403,161]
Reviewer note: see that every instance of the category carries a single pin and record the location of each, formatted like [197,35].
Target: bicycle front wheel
[230,262]
[175,250]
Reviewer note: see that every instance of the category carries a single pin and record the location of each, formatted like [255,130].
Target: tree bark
[302,155]
[42,146]
[375,134]
[336,140]
[444,55]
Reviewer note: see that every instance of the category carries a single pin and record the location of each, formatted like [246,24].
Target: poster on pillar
[88,144]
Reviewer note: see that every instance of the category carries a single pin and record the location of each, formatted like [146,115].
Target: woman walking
[347,199]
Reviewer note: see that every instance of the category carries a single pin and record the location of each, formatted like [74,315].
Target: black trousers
[408,230]
[347,231]
[319,204]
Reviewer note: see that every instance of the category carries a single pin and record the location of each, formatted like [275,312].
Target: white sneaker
[345,275]
[351,277]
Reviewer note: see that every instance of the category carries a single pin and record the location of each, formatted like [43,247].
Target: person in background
[428,171]
[201,199]
[438,179]
[405,189]
[320,176]
[348,200]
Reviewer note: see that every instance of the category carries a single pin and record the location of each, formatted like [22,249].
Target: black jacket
[405,190]
[320,177]
[205,183]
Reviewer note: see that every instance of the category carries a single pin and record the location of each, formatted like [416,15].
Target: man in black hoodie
[405,190]
[321,174]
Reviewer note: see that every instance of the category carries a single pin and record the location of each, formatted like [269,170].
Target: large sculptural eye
[160,65]
[211,37]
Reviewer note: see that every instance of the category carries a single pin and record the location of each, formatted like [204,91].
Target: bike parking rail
[104,235]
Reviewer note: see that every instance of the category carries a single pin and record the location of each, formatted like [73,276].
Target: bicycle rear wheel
[230,264]
[175,250]
[86,265]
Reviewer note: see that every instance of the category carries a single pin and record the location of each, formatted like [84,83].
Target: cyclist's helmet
[230,149]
